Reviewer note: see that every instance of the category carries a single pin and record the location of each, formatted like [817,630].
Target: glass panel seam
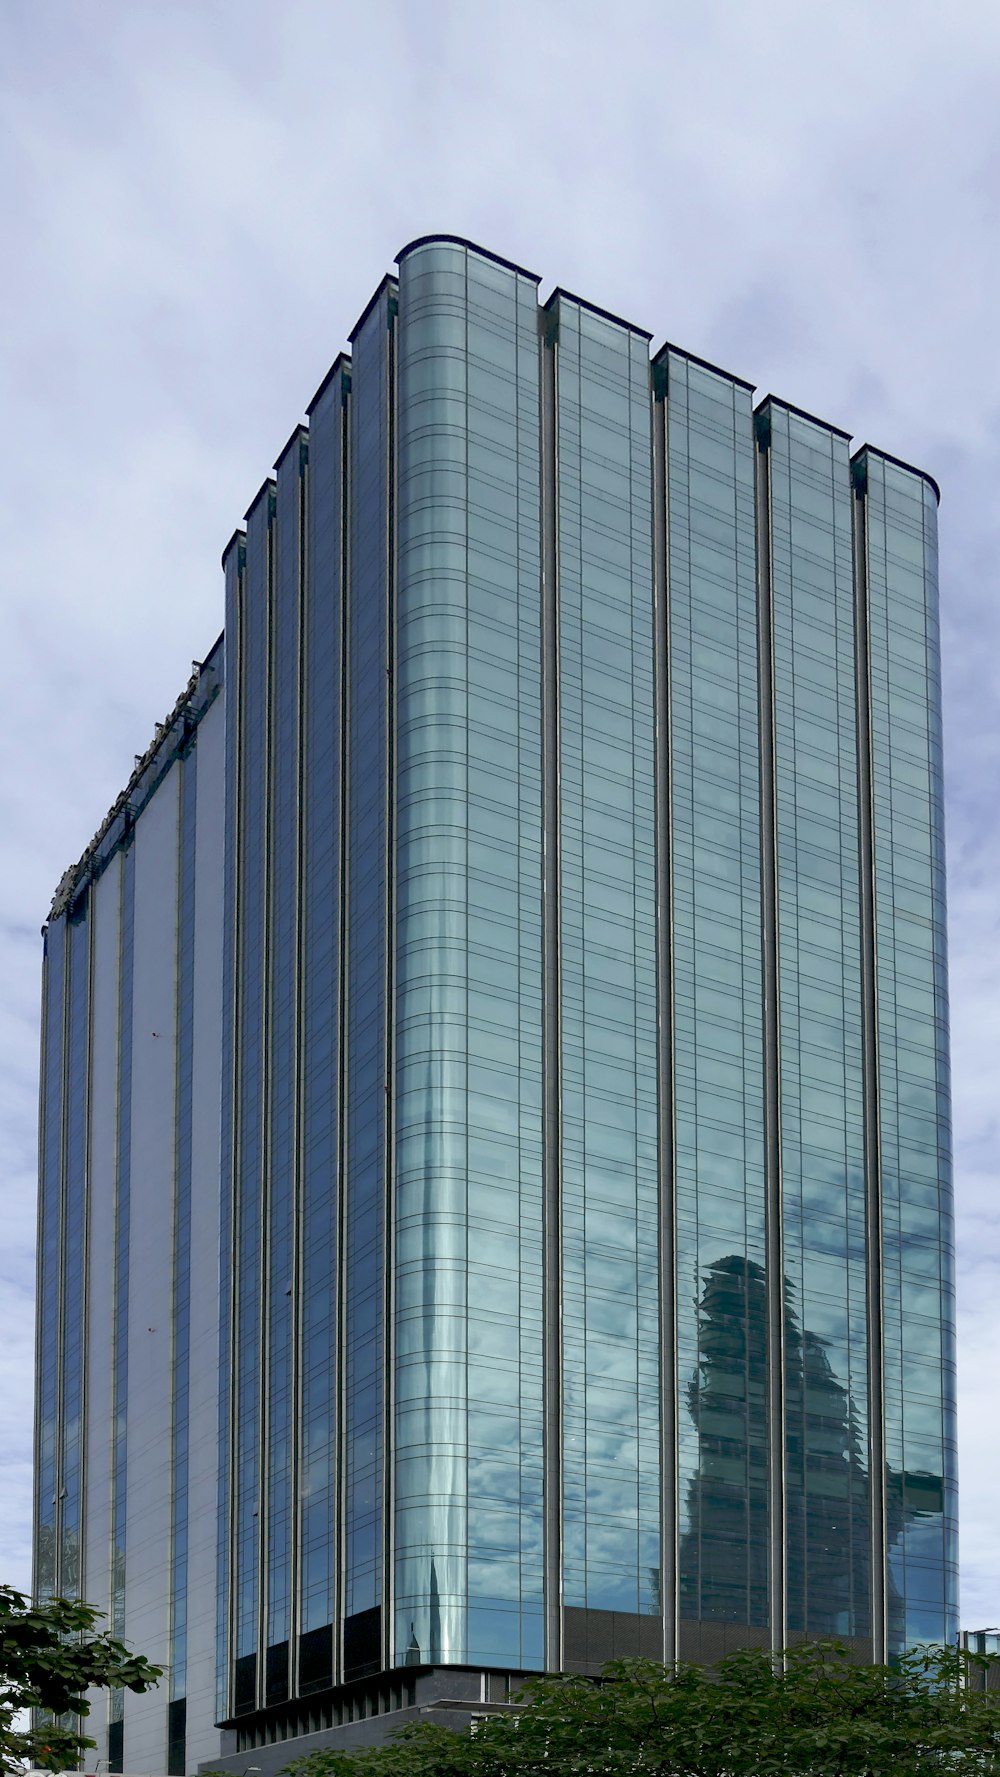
[551,1014]
[873,1164]
[669,1514]
[774,1257]
[340,1420]
[388,1616]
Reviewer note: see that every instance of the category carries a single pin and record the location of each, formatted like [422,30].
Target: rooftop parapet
[169,739]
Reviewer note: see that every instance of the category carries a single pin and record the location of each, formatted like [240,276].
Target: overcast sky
[200,196]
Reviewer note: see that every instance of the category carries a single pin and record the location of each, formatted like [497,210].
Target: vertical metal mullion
[119,1322]
[235,689]
[388,1297]
[58,1451]
[295,1318]
[551,1008]
[340,1235]
[174,1229]
[774,1232]
[267,1021]
[664,1047]
[467,992]
[870,1052]
[85,1255]
[41,1305]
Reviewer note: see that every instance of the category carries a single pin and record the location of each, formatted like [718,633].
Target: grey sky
[200,196]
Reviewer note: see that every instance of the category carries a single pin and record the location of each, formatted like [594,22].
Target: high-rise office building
[496,1199]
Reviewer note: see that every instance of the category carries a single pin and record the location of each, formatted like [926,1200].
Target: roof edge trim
[703,364]
[341,363]
[802,413]
[169,737]
[898,463]
[593,308]
[298,435]
[388,283]
[266,487]
[459,240]
[238,536]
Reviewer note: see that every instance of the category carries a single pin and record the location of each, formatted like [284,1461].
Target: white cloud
[199,199]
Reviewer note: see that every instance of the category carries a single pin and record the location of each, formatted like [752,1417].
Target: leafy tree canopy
[49,1658]
[817,1713]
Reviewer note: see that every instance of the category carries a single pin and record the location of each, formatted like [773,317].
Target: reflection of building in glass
[829,1528]
[724,1542]
[724,1538]
[533,913]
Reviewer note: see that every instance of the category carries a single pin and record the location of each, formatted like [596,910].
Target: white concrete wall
[203,1738]
[147,1531]
[98,1454]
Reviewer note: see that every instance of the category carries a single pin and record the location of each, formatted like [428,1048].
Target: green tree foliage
[817,1713]
[49,1658]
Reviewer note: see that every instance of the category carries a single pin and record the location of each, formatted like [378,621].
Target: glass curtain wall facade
[911,1041]
[467,1357]
[585,1256]
[604,830]
[820,1128]
[129,1299]
[319,1079]
[712,1078]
